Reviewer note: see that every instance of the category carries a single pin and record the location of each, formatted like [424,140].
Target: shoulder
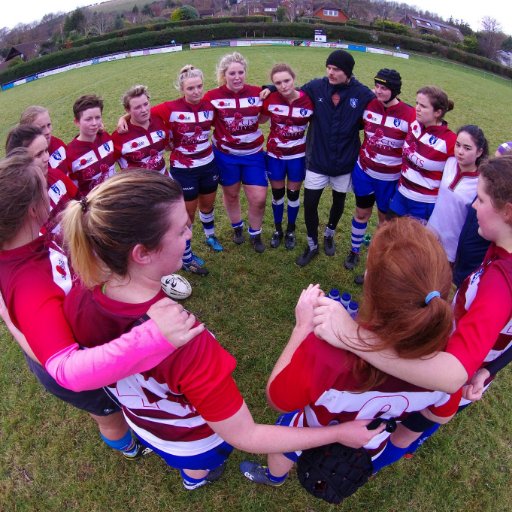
[253,89]
[103,138]
[55,143]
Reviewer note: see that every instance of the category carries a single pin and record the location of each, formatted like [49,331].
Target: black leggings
[311,201]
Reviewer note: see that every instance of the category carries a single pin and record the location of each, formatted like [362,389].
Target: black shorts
[197,180]
[95,401]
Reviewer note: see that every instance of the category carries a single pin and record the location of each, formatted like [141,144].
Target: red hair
[405,263]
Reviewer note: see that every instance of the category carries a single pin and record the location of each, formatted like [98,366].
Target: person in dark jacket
[332,145]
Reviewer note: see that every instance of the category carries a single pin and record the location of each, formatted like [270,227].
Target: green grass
[50,455]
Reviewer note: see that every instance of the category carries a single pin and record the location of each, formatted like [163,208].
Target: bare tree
[491,38]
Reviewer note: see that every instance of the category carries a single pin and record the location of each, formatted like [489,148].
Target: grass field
[51,458]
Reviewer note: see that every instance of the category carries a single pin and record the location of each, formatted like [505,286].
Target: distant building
[504,58]
[425,26]
[329,12]
[26,51]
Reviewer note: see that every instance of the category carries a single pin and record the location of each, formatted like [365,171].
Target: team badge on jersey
[397,122]
[304,112]
[432,140]
[251,101]
[56,155]
[354,102]
[106,148]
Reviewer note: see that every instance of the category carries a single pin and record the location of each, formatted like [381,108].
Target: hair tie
[431,295]
[84,204]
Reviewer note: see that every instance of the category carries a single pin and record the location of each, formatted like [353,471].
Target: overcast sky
[471,11]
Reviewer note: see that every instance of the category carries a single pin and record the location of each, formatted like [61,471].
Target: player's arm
[122,123]
[440,371]
[15,332]
[40,317]
[243,433]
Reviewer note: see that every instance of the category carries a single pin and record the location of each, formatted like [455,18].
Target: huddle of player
[123,231]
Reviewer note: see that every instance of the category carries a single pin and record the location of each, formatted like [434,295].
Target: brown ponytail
[128,209]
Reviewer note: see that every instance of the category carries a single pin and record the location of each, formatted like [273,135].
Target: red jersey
[58,156]
[91,162]
[319,380]
[189,127]
[142,148]
[170,404]
[236,128]
[483,312]
[34,279]
[424,156]
[60,190]
[385,130]
[288,125]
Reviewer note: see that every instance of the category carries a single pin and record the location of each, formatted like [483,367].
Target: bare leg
[191,207]
[256,198]
[232,202]
[278,464]
[113,426]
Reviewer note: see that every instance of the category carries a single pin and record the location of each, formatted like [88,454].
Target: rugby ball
[176,287]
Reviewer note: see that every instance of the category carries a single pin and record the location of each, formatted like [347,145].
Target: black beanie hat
[342,60]
[391,79]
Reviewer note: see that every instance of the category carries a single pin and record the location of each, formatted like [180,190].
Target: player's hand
[304,308]
[475,389]
[355,434]
[264,94]
[331,322]
[122,125]
[174,322]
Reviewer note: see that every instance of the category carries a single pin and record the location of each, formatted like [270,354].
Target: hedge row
[210,32]
[137,29]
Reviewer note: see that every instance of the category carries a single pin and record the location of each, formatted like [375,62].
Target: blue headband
[431,295]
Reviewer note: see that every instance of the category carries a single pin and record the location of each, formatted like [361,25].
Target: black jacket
[333,137]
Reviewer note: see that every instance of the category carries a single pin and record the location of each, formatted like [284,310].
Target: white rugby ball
[176,287]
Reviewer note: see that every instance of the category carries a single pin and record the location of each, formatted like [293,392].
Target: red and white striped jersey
[424,155]
[60,190]
[169,405]
[457,190]
[321,382]
[139,147]
[288,125]
[483,312]
[236,127]
[91,162]
[385,130]
[189,127]
[57,151]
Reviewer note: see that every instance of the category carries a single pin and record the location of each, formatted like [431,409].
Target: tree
[118,23]
[75,21]
[280,13]
[187,12]
[491,38]
[507,44]
[146,10]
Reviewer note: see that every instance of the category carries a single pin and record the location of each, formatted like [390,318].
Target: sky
[471,11]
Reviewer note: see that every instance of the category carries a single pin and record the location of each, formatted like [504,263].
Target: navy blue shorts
[246,169]
[197,181]
[278,169]
[211,459]
[95,401]
[364,186]
[401,205]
